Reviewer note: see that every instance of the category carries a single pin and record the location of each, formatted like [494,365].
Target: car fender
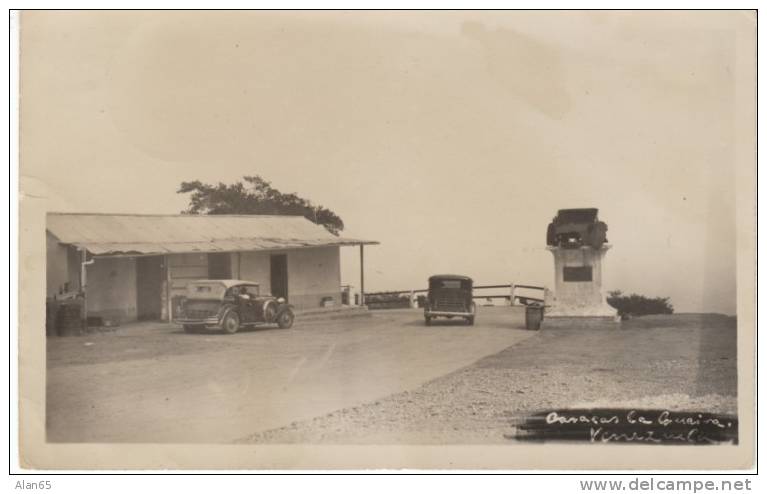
[265,309]
[283,307]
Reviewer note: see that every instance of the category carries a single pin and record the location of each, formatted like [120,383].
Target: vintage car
[450,296]
[575,228]
[229,305]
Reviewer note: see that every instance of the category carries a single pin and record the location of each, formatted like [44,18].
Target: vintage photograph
[249,233]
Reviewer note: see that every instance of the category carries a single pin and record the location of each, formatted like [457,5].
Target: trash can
[69,319]
[533,317]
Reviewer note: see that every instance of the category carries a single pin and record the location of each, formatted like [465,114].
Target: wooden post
[362,274]
[168,301]
[512,302]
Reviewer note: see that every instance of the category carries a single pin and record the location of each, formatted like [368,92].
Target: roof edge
[175,215]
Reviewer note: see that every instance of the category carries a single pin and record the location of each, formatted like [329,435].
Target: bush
[638,305]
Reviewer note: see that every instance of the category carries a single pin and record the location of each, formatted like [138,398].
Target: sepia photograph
[470,239]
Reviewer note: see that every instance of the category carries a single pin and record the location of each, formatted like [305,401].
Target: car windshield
[251,290]
[212,290]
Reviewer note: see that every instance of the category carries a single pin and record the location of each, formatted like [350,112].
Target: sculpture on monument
[578,242]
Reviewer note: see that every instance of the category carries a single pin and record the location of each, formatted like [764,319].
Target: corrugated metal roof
[126,234]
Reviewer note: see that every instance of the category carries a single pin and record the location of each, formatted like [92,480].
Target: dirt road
[154,383]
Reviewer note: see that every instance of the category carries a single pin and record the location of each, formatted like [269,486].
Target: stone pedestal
[578,297]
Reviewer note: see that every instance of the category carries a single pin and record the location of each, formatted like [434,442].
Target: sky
[451,137]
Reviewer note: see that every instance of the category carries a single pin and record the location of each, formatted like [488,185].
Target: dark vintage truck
[575,228]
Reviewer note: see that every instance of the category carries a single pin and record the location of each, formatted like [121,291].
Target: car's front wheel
[231,323]
[285,319]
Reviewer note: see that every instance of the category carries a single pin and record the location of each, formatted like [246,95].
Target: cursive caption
[612,425]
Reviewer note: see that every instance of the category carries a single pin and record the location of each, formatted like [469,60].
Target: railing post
[512,301]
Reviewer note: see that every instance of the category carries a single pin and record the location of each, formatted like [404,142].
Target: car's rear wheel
[285,319]
[427,320]
[470,321]
[231,323]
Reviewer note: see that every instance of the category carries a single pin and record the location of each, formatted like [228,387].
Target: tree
[638,305]
[255,196]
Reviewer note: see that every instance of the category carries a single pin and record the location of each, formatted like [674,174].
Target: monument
[578,241]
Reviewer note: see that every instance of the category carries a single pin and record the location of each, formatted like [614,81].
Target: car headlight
[281,300]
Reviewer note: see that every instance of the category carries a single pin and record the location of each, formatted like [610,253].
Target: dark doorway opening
[219,266]
[279,275]
[150,271]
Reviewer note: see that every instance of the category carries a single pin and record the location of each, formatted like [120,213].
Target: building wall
[182,268]
[56,265]
[313,273]
[62,267]
[185,268]
[254,266]
[111,289]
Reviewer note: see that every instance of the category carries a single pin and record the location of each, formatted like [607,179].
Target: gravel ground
[677,362]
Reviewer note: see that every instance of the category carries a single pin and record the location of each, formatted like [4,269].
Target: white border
[338,484]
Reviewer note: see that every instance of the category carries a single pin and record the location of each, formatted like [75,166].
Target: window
[451,284]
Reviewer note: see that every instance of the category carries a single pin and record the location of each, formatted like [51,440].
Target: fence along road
[512,295]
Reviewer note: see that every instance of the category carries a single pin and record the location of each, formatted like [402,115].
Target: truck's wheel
[551,238]
[285,319]
[231,323]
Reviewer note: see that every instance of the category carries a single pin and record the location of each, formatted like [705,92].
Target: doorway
[219,266]
[150,272]
[279,275]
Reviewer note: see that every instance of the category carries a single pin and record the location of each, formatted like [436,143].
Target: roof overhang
[130,249]
[131,235]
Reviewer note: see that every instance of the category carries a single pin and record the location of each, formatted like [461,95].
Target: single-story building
[133,267]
